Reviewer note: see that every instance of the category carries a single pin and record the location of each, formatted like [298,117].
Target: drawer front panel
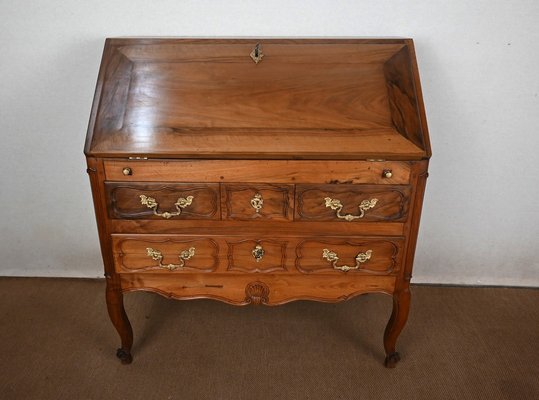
[270,289]
[256,171]
[257,255]
[355,255]
[266,255]
[349,203]
[165,254]
[258,202]
[163,201]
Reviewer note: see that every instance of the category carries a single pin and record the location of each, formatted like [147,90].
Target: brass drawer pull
[258,252]
[335,204]
[332,257]
[257,202]
[156,255]
[180,204]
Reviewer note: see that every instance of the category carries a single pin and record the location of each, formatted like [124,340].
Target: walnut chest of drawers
[258,171]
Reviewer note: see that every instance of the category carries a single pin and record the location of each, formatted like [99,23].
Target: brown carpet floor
[56,342]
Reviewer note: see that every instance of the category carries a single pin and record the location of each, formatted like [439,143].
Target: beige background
[478,62]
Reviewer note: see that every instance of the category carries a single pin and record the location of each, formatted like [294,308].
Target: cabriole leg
[399,315]
[115,307]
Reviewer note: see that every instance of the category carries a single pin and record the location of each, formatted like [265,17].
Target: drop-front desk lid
[258,98]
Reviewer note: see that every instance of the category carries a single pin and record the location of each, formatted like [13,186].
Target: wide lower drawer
[179,254]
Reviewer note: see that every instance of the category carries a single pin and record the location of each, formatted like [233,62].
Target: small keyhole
[256,54]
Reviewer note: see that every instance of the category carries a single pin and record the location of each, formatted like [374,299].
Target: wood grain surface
[391,202]
[124,200]
[131,254]
[231,288]
[305,99]
[259,171]
[277,202]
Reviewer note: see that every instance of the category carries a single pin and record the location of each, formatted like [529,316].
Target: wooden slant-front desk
[258,171]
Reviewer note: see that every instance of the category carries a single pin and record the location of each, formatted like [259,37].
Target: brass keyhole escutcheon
[257,202]
[258,252]
[256,54]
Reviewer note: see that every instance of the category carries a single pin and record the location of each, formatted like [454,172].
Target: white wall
[479,62]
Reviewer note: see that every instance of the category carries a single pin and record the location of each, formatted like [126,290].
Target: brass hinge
[138,158]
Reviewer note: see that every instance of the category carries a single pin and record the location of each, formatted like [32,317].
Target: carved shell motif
[257,293]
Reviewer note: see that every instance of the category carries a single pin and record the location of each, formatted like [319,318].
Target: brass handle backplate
[185,255]
[333,258]
[336,204]
[257,202]
[258,252]
[180,204]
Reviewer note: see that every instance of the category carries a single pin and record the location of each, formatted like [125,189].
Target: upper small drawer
[350,203]
[162,201]
[259,171]
[252,202]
